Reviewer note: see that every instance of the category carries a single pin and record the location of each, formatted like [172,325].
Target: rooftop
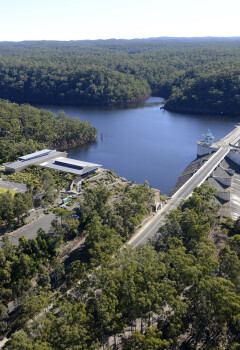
[69,165]
[75,162]
[31,161]
[35,154]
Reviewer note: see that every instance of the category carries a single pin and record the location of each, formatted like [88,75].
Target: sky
[104,19]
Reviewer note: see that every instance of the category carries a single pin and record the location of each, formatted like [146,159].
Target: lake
[145,142]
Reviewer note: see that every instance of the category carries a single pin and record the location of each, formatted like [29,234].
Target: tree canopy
[194,75]
[179,292]
[25,129]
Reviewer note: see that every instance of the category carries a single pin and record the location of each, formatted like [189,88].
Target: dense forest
[194,75]
[25,129]
[181,291]
[34,267]
[178,292]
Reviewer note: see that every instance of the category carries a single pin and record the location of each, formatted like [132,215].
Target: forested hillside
[32,270]
[180,292]
[194,75]
[25,129]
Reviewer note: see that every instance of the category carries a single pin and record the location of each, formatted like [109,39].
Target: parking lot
[15,186]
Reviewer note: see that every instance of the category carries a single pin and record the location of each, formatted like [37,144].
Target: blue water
[145,142]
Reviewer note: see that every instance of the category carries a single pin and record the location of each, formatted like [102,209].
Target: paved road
[150,229]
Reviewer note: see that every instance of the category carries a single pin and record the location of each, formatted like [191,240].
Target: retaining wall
[202,150]
[234,156]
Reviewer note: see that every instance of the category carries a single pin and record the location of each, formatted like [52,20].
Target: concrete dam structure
[224,172]
[218,163]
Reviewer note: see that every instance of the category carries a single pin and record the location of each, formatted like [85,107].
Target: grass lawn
[3,190]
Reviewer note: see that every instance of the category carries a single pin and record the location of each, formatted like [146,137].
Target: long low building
[53,159]
[33,159]
[72,166]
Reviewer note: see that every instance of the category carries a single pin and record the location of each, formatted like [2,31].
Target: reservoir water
[145,142]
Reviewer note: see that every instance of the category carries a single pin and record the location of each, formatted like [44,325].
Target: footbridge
[220,149]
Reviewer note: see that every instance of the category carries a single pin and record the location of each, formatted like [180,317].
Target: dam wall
[235,157]
[202,149]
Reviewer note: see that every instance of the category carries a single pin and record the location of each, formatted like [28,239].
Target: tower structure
[208,138]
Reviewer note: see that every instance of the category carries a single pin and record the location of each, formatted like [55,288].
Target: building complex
[54,160]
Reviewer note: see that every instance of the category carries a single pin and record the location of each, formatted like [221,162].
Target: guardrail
[201,169]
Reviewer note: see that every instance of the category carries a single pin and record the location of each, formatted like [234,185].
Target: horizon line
[127,39]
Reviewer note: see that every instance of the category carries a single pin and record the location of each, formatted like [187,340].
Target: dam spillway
[225,171]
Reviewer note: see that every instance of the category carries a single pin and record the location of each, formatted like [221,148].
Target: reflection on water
[145,142]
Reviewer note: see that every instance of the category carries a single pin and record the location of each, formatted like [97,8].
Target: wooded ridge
[25,129]
[194,75]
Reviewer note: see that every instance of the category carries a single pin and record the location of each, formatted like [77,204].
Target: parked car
[75,216]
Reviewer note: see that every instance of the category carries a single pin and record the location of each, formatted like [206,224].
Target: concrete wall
[89,173]
[11,170]
[224,196]
[235,197]
[226,181]
[202,150]
[226,211]
[230,172]
[234,156]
